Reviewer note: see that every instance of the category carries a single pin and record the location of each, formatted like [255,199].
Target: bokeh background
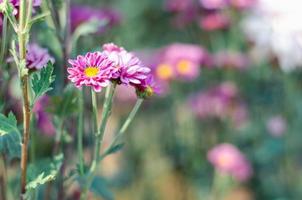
[227,121]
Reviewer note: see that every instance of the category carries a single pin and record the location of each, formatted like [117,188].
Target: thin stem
[81,132]
[99,137]
[95,112]
[124,126]
[4,38]
[105,115]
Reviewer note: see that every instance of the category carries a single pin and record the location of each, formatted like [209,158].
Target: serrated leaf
[10,136]
[100,187]
[43,171]
[42,80]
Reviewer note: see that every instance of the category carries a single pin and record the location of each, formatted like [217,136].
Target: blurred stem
[81,131]
[4,38]
[124,126]
[99,137]
[3,183]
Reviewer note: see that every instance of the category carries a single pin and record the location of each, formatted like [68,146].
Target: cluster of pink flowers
[180,61]
[113,64]
[230,60]
[220,102]
[221,4]
[80,14]
[227,159]
[209,14]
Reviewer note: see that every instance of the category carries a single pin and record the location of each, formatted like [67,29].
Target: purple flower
[231,60]
[16,4]
[179,5]
[37,57]
[148,87]
[214,21]
[180,61]
[214,4]
[94,70]
[276,126]
[44,119]
[80,14]
[227,159]
[243,4]
[129,69]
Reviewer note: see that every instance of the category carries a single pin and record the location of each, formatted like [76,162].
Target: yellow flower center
[164,71]
[225,160]
[91,71]
[183,66]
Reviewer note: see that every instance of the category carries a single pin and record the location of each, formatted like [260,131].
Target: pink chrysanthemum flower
[227,159]
[129,69]
[93,69]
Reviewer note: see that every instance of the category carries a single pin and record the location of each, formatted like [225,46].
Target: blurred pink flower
[37,57]
[231,60]
[181,61]
[242,4]
[178,5]
[94,70]
[125,94]
[214,21]
[214,4]
[44,119]
[220,102]
[276,126]
[227,159]
[129,69]
[80,14]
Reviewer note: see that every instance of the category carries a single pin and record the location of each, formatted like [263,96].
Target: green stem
[100,134]
[124,126]
[22,39]
[95,112]
[81,131]
[4,38]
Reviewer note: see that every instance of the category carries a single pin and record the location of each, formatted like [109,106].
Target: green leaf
[115,148]
[42,80]
[100,187]
[43,171]
[89,27]
[10,136]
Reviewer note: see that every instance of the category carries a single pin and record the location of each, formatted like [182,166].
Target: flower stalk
[100,133]
[81,132]
[24,18]
[124,127]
